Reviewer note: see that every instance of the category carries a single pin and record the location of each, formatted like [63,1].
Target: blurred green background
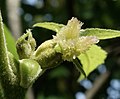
[61,82]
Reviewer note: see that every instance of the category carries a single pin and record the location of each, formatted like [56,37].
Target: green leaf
[50,25]
[91,59]
[100,33]
[11,45]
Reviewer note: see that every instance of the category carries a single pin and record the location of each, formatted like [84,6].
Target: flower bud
[46,55]
[29,71]
[26,45]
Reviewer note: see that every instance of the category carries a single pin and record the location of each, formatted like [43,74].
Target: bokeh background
[61,82]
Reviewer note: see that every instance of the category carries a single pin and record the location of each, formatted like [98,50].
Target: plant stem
[6,72]
[78,66]
[9,82]
[1,92]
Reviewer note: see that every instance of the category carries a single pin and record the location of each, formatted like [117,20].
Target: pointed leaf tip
[100,33]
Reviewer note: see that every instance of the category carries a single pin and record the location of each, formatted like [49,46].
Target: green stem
[79,67]
[9,82]
[6,73]
[1,92]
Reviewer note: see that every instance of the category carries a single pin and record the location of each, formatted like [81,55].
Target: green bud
[29,71]
[47,56]
[26,45]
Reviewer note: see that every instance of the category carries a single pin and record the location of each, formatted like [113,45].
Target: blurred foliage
[11,45]
[61,82]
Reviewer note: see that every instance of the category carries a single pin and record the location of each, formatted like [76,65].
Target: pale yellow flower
[69,41]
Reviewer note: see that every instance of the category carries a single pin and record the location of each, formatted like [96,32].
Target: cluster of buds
[67,45]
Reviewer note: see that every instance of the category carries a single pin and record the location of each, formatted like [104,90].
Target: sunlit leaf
[91,59]
[11,45]
[100,33]
[49,25]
